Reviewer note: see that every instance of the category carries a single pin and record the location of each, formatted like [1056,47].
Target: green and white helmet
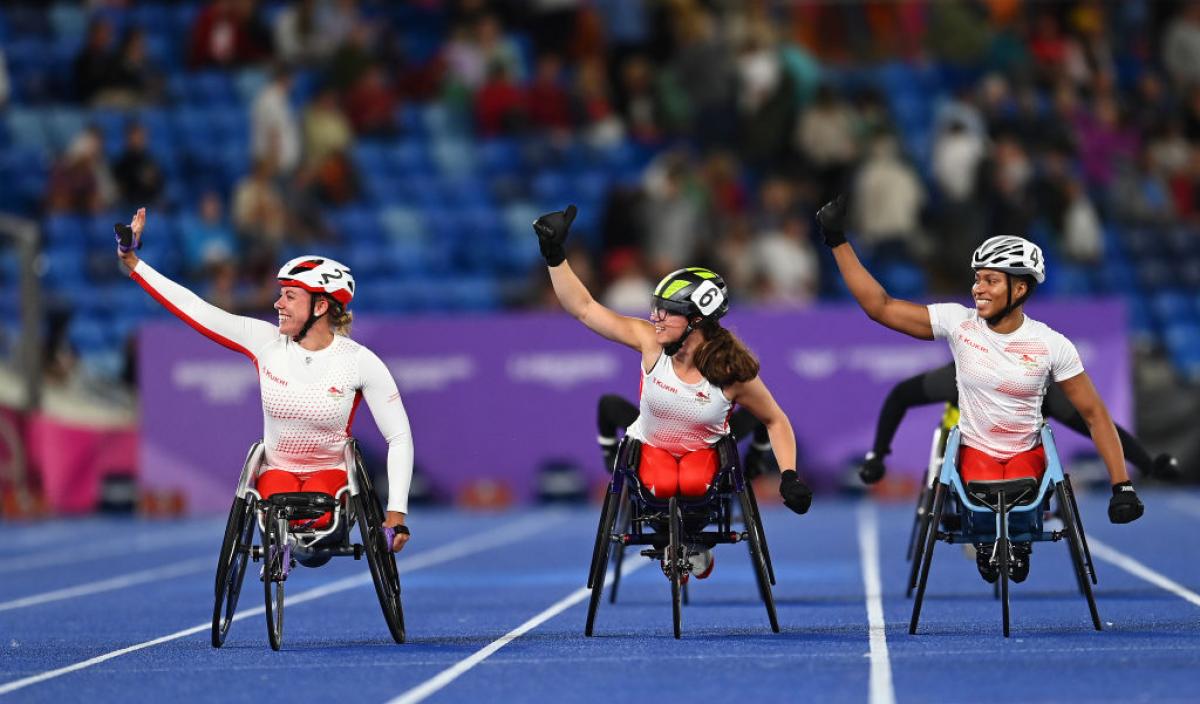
[692,291]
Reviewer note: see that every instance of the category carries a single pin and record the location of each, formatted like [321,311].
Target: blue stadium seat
[27,128]
[402,224]
[64,230]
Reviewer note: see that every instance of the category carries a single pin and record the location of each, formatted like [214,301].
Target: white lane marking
[80,550]
[105,585]
[445,677]
[451,551]
[1137,569]
[882,690]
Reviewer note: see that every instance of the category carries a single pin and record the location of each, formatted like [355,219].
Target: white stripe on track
[108,548]
[1137,569]
[437,682]
[128,580]
[882,690]
[451,551]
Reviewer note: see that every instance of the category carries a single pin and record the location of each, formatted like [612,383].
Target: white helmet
[319,275]
[1012,255]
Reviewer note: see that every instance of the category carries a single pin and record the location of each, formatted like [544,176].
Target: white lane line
[445,677]
[1137,569]
[105,585]
[882,690]
[94,551]
[451,551]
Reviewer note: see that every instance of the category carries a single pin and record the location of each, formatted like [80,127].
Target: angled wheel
[600,555]
[1077,546]
[762,534]
[675,562]
[920,520]
[758,559]
[231,566]
[380,559]
[275,558]
[618,548]
[925,558]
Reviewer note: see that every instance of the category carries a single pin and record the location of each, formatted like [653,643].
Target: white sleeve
[945,317]
[1064,359]
[238,333]
[383,398]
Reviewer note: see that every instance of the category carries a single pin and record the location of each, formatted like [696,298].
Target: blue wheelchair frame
[1019,519]
[629,508]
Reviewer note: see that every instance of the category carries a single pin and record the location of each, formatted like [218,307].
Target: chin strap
[1010,304]
[674,347]
[312,318]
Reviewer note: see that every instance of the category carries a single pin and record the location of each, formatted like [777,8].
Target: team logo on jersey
[703,398]
[1028,362]
[335,392]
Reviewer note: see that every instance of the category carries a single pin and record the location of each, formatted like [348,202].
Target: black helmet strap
[1010,305]
[312,317]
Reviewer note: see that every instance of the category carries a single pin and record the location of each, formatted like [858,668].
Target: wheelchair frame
[950,485]
[283,544]
[629,509]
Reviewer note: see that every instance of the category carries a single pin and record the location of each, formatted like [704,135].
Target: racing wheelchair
[674,529]
[285,522]
[1002,512]
[937,453]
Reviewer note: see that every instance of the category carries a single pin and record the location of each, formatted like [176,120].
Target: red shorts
[666,476]
[976,465]
[278,481]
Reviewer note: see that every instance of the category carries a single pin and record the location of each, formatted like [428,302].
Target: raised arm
[754,396]
[1124,505]
[238,333]
[902,316]
[383,399]
[552,229]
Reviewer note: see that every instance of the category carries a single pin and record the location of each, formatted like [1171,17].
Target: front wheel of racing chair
[236,548]
[276,564]
[937,452]
[376,543]
[1005,511]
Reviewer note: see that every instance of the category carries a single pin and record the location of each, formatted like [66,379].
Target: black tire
[231,566]
[1086,553]
[618,548]
[920,519]
[758,560]
[273,569]
[608,515]
[599,543]
[924,559]
[674,562]
[762,533]
[1075,545]
[369,515]
[1003,546]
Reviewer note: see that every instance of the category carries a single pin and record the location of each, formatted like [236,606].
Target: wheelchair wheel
[618,548]
[675,561]
[231,566]
[275,557]
[757,557]
[924,558]
[380,559]
[920,520]
[762,535]
[1076,545]
[1003,546]
[600,555]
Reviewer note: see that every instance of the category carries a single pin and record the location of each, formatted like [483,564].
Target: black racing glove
[551,230]
[872,469]
[1165,466]
[126,241]
[1124,506]
[796,494]
[832,219]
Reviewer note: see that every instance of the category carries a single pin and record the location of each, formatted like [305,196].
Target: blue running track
[104,610]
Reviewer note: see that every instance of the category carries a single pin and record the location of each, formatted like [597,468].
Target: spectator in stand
[786,265]
[327,132]
[1181,47]
[1104,142]
[259,217]
[673,215]
[628,285]
[599,125]
[93,63]
[826,137]
[131,82]
[5,84]
[499,104]
[274,135]
[641,105]
[547,101]
[702,69]
[371,104]
[140,178]
[301,37]
[1083,236]
[206,237]
[228,33]
[81,182]
[353,57]
[887,202]
[765,99]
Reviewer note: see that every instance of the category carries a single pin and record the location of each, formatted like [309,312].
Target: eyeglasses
[660,315]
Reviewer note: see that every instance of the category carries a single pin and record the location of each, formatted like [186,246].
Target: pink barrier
[70,461]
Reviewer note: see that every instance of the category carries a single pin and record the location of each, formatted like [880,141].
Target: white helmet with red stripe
[319,275]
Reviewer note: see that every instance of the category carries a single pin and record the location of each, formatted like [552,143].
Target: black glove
[1166,466]
[126,242]
[832,219]
[551,230]
[1124,506]
[796,494]
[872,469]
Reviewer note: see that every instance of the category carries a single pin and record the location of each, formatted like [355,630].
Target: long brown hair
[723,359]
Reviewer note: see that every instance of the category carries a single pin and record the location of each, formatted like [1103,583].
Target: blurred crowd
[1002,116]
